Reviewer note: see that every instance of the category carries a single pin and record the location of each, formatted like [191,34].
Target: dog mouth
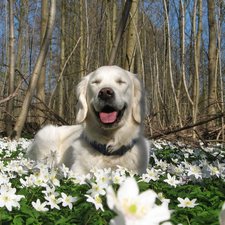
[109,115]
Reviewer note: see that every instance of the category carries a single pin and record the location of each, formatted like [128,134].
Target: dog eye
[95,82]
[121,82]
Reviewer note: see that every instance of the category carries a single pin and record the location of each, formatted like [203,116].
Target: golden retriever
[111,108]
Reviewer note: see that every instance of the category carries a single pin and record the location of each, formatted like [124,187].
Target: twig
[196,144]
[9,159]
[200,137]
[50,100]
[14,94]
[52,112]
[8,113]
[187,127]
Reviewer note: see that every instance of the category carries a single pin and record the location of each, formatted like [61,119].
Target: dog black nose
[106,93]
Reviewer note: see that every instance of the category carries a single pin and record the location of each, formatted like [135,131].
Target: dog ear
[82,106]
[138,106]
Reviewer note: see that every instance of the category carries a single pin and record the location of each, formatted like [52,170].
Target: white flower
[8,198]
[96,200]
[171,180]
[152,174]
[40,207]
[39,182]
[4,179]
[132,173]
[40,165]
[195,170]
[157,145]
[44,174]
[53,178]
[144,178]
[179,169]
[175,160]
[117,178]
[29,182]
[135,208]
[186,202]
[65,170]
[97,189]
[162,198]
[103,177]
[94,169]
[162,164]
[50,191]
[214,171]
[72,175]
[21,171]
[122,169]
[53,155]
[53,202]
[84,179]
[67,200]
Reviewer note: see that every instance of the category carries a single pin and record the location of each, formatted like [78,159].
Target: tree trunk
[197,45]
[36,72]
[212,60]
[114,20]
[20,15]
[82,53]
[41,78]
[170,68]
[62,59]
[9,106]
[119,33]
[182,47]
[132,37]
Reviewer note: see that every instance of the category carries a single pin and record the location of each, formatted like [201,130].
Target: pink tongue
[108,117]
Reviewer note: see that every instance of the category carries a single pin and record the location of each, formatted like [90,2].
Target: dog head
[110,95]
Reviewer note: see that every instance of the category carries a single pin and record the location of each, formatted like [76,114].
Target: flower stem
[188,220]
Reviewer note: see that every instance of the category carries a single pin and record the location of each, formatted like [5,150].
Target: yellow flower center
[67,199]
[98,199]
[133,208]
[6,198]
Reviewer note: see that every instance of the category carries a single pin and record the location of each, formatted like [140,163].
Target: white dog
[111,107]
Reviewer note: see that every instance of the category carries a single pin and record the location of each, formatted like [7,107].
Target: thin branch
[8,113]
[50,100]
[14,94]
[187,127]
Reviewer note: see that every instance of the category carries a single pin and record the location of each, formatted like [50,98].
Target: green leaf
[18,221]
[30,221]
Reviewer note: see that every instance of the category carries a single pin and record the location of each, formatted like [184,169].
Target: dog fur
[109,88]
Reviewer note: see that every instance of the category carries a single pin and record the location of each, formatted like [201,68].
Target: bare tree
[197,43]
[62,58]
[41,78]
[132,37]
[172,56]
[119,33]
[170,67]
[9,107]
[212,59]
[36,72]
[82,52]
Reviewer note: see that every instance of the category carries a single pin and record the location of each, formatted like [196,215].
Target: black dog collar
[121,151]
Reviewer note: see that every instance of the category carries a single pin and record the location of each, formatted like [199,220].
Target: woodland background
[177,48]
